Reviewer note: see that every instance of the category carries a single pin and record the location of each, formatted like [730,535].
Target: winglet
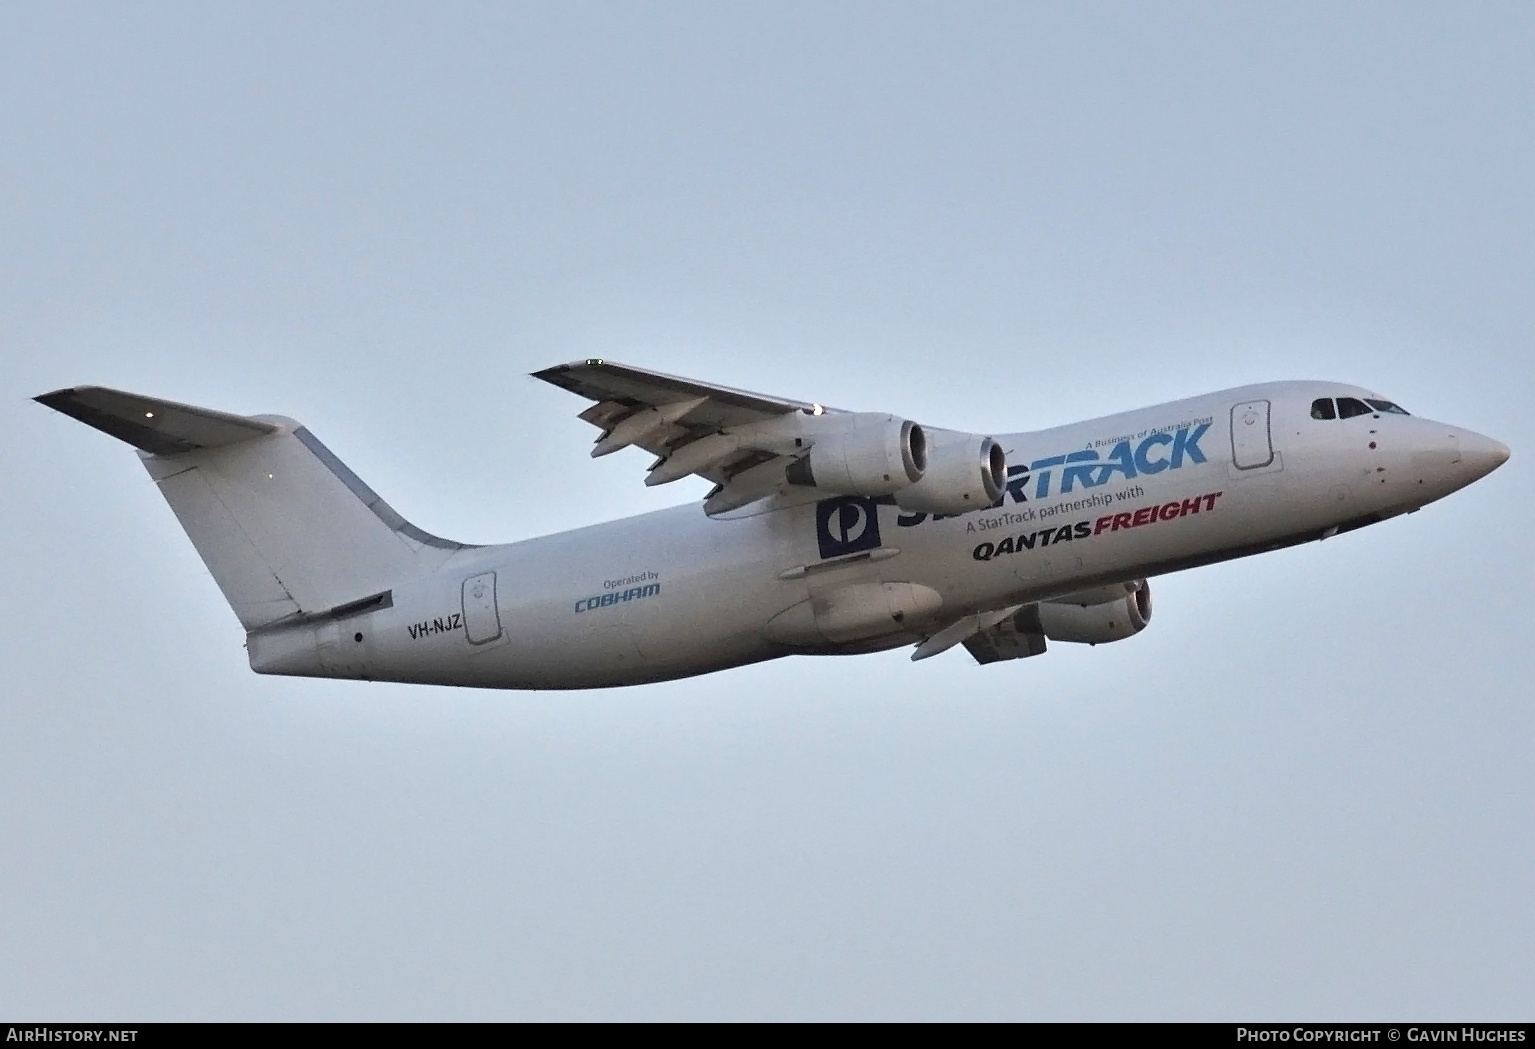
[153,425]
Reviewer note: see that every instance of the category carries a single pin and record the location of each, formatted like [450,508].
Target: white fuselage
[676,593]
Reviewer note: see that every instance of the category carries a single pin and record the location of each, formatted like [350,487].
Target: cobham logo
[617,597]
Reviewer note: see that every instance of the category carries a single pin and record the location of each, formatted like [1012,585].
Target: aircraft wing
[740,440]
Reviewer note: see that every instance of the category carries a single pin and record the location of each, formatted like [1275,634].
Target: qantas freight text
[1086,530]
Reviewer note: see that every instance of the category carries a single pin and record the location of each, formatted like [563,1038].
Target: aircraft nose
[1480,456]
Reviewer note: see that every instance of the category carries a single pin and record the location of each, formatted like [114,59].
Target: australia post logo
[849,524]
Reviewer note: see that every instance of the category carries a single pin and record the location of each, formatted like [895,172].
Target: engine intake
[1099,623]
[964,473]
[877,455]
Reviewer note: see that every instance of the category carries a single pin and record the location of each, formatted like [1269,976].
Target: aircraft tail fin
[285,528]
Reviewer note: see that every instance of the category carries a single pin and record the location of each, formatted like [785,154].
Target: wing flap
[722,434]
[645,426]
[1017,637]
[960,631]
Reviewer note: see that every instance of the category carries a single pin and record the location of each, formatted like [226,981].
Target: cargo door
[1251,445]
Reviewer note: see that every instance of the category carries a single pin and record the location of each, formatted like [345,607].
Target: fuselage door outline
[1252,446]
[482,617]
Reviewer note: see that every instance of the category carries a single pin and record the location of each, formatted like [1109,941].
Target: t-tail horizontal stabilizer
[152,425]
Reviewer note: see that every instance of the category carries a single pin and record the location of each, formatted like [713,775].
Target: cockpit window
[1321,408]
[1387,406]
[1348,407]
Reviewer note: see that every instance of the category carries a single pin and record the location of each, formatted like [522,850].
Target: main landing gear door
[482,619]
[1251,445]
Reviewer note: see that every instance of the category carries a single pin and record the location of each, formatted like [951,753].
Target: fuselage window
[1387,406]
[1321,408]
[1348,407]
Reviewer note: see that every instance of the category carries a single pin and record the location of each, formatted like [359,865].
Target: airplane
[826,532]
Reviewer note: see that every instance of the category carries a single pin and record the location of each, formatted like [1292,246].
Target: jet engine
[1094,624]
[964,472]
[877,455]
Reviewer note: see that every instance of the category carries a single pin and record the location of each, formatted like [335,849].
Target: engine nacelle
[1095,624]
[964,472]
[877,455]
